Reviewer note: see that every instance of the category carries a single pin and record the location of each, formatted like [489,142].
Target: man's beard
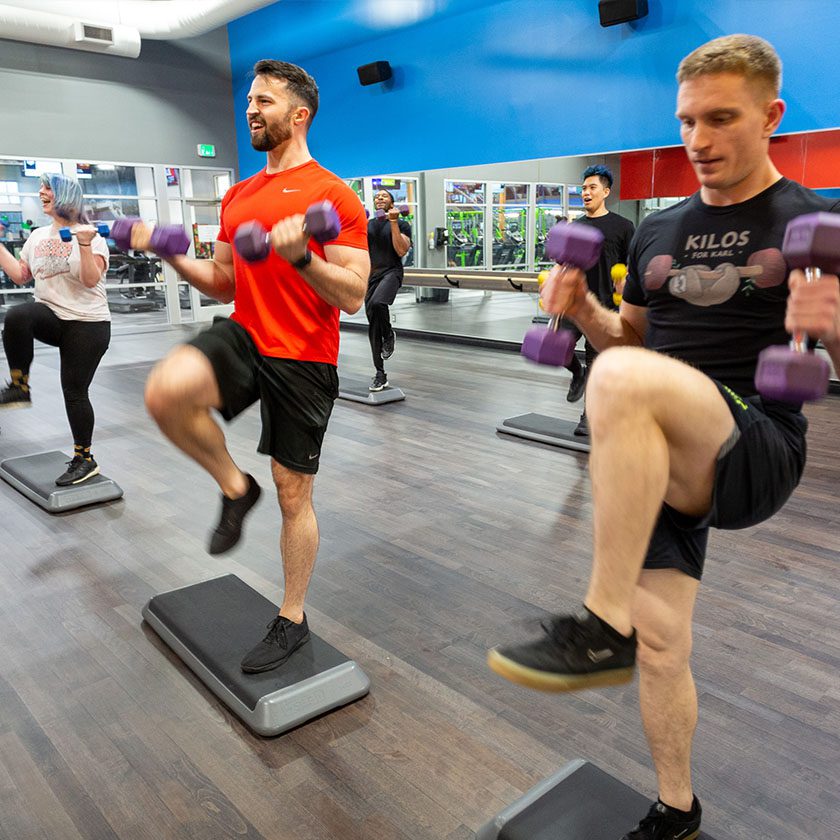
[272,136]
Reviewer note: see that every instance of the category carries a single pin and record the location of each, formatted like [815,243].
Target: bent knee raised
[623,371]
[184,378]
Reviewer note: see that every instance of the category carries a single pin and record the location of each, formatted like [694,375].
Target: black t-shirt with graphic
[714,280]
[383,257]
[618,232]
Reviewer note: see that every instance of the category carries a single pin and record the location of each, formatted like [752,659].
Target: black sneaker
[379,382]
[78,470]
[582,428]
[15,396]
[577,652]
[388,345]
[284,637]
[664,823]
[578,384]
[229,529]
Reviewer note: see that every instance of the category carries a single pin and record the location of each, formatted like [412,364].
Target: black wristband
[304,260]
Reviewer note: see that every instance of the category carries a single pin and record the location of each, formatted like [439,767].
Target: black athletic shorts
[757,470]
[296,398]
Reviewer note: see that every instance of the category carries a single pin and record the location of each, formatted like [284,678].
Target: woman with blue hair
[70,311]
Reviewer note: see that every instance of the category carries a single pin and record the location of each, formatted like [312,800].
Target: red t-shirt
[284,315]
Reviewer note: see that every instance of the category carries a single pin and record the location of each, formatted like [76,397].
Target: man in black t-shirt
[681,442]
[617,231]
[389,239]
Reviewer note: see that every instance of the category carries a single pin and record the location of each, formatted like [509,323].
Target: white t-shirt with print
[55,267]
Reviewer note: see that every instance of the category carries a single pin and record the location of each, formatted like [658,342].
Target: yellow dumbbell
[618,273]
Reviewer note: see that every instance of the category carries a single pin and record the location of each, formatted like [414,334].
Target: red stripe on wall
[813,159]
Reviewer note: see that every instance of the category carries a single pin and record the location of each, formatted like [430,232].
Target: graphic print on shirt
[691,278]
[52,257]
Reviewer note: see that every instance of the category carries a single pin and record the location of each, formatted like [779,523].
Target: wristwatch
[304,260]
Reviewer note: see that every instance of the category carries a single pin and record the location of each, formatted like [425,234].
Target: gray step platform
[545,429]
[35,475]
[356,390]
[213,624]
[579,802]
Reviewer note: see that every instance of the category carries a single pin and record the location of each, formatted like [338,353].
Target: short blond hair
[746,55]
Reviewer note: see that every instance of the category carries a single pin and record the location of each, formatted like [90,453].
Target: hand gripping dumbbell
[618,274]
[572,245]
[252,240]
[67,235]
[402,208]
[793,373]
[165,240]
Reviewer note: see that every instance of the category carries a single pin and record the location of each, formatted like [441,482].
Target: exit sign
[206,150]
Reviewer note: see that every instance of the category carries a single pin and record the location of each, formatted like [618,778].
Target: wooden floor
[440,538]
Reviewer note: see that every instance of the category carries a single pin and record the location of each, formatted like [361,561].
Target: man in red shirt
[280,345]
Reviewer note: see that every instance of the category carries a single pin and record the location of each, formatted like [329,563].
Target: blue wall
[500,80]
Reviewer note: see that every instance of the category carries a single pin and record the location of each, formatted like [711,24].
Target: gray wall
[61,103]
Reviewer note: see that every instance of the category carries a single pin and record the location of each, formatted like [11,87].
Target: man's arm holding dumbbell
[566,293]
[399,240]
[213,278]
[814,308]
[341,279]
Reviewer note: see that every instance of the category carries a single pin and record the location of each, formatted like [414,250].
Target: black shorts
[757,470]
[296,398]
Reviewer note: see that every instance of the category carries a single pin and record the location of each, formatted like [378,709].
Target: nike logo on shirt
[285,190]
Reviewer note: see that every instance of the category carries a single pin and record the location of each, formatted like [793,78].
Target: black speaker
[376,71]
[621,11]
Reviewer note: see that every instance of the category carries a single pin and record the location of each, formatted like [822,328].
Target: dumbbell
[402,208]
[573,245]
[793,373]
[251,239]
[165,240]
[67,236]
[618,274]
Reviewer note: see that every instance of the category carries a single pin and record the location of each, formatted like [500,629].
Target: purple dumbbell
[169,240]
[402,209]
[795,374]
[573,245]
[251,239]
[121,231]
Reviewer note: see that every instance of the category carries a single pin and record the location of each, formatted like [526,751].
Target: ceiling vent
[90,33]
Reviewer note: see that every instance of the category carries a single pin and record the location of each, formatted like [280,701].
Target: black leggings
[381,293]
[82,344]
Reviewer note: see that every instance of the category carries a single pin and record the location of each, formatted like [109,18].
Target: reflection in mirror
[496,218]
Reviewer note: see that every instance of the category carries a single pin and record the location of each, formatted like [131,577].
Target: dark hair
[602,172]
[299,83]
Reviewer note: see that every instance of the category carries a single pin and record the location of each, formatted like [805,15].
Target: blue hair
[67,197]
[601,171]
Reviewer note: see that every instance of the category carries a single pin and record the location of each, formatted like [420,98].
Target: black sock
[575,366]
[686,815]
[607,627]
